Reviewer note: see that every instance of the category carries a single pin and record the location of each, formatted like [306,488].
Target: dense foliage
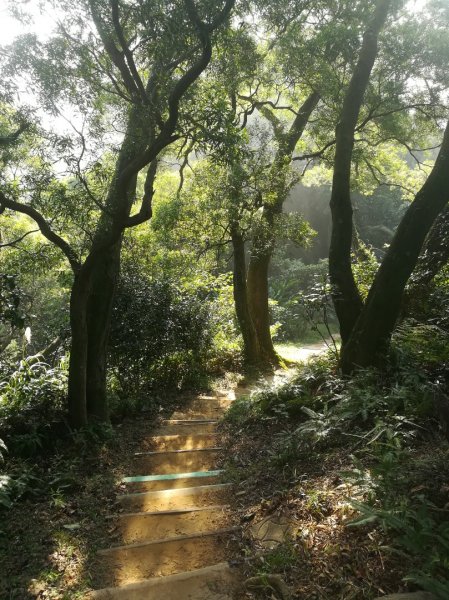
[164,337]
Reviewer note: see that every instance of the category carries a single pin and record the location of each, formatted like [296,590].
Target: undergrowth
[382,421]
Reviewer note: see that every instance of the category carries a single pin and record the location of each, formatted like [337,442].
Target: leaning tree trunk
[264,238]
[345,295]
[251,346]
[434,256]
[370,337]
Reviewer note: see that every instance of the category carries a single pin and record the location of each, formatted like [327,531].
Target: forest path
[175,526]
[295,353]
[176,530]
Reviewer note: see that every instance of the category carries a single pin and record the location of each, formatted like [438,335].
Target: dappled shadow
[48,543]
[60,537]
[140,527]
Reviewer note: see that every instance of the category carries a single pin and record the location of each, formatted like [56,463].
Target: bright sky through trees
[43,23]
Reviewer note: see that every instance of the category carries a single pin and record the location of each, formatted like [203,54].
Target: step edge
[174,436]
[155,581]
[190,421]
[171,476]
[175,511]
[178,538]
[160,452]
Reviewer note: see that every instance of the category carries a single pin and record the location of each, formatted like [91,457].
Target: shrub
[424,346]
[298,304]
[310,388]
[162,336]
[31,403]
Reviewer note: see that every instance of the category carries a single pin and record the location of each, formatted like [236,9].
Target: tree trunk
[251,347]
[78,351]
[435,253]
[257,290]
[94,287]
[90,315]
[434,256]
[369,340]
[264,239]
[104,284]
[345,294]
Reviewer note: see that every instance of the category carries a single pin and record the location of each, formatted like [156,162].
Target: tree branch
[145,213]
[126,50]
[114,53]
[185,162]
[44,227]
[166,135]
[317,154]
[19,239]
[275,123]
[372,169]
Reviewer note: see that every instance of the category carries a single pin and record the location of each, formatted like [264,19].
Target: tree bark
[345,294]
[257,289]
[435,252]
[101,299]
[251,346]
[264,238]
[370,337]
[77,407]
[434,256]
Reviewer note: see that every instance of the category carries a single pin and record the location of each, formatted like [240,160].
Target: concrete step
[183,441]
[191,414]
[204,402]
[204,495]
[215,582]
[142,527]
[187,427]
[176,462]
[203,407]
[122,565]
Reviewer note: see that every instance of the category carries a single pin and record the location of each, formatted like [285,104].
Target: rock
[271,531]
[272,582]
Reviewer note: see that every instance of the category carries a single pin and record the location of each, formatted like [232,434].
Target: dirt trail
[176,531]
